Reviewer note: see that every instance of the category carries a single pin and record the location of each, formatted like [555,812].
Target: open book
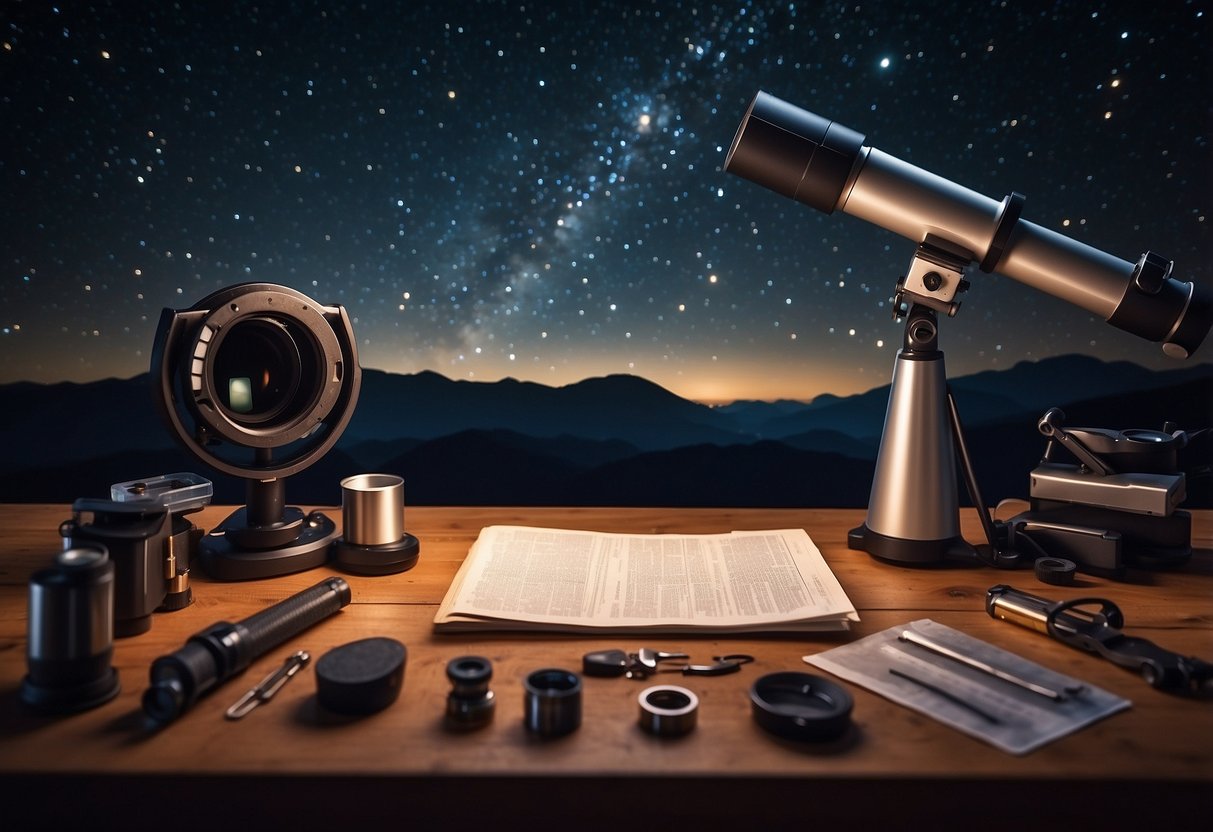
[525,578]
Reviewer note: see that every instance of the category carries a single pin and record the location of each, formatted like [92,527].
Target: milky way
[535,190]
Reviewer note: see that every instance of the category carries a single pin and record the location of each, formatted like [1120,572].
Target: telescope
[913,512]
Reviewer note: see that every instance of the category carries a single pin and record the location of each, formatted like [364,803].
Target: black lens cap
[801,706]
[361,677]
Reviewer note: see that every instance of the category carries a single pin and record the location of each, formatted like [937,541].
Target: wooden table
[291,764]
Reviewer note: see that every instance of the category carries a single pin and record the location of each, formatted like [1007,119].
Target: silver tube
[1066,268]
[913,202]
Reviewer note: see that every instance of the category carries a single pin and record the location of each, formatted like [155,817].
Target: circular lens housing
[260,366]
[263,371]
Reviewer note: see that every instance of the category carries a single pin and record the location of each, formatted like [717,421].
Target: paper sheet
[1009,717]
[534,578]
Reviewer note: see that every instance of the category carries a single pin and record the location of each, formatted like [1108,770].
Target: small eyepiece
[470,704]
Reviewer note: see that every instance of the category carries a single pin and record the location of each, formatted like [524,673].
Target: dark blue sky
[534,190]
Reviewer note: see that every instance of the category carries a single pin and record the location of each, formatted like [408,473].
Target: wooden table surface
[290,759]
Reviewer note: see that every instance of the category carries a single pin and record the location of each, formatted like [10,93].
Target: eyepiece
[470,704]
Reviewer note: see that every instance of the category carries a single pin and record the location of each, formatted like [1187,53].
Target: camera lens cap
[801,706]
[361,677]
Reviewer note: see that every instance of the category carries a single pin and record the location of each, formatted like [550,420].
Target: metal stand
[913,510]
[266,538]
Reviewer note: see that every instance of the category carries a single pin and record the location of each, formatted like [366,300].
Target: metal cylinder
[372,509]
[552,702]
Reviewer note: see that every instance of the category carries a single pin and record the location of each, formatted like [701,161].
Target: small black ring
[1055,571]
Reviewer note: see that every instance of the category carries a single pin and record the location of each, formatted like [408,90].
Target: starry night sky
[535,189]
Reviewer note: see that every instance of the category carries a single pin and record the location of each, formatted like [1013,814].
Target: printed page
[554,578]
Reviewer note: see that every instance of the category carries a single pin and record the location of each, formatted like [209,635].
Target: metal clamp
[269,686]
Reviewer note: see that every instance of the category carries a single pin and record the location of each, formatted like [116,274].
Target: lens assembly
[264,368]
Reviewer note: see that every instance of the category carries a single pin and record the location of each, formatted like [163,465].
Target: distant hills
[617,440]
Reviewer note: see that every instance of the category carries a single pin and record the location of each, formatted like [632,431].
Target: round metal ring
[668,710]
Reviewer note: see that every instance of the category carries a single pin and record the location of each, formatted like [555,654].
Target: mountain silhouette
[627,408]
[617,440]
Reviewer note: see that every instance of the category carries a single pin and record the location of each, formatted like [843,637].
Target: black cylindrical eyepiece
[214,655]
[71,633]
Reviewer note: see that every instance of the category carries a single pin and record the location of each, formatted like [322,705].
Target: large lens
[258,370]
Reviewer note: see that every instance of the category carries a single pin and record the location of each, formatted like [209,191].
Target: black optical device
[258,381]
[71,641]
[150,543]
[222,650]
[913,511]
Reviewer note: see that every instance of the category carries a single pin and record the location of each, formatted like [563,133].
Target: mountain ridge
[598,439]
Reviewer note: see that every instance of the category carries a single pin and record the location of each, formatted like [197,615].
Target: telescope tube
[828,167]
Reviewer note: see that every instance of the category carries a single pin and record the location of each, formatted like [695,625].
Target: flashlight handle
[222,650]
[267,629]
